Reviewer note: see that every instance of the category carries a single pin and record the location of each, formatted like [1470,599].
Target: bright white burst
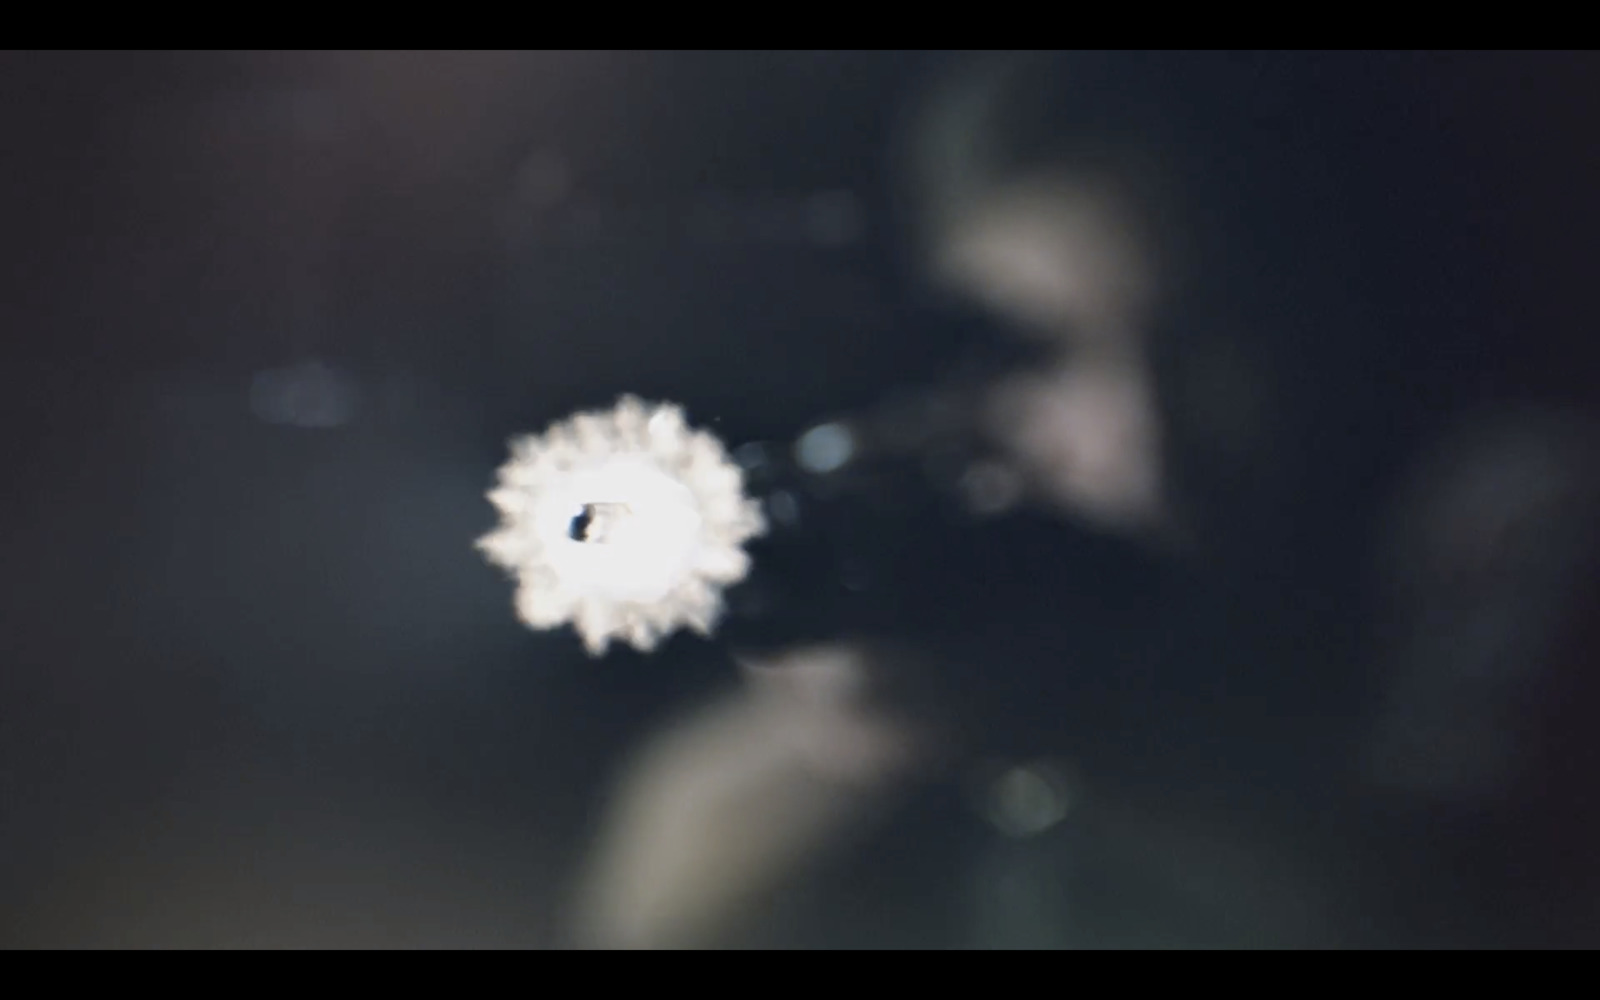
[626,523]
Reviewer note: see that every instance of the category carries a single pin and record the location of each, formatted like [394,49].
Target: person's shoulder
[1491,600]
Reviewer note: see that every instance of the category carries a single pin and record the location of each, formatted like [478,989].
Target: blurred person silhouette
[1308,628]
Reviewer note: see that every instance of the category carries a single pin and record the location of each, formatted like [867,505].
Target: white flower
[626,523]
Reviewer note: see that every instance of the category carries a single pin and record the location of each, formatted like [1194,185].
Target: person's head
[1168,229]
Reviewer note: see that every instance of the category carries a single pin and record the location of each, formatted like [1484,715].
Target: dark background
[255,686]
